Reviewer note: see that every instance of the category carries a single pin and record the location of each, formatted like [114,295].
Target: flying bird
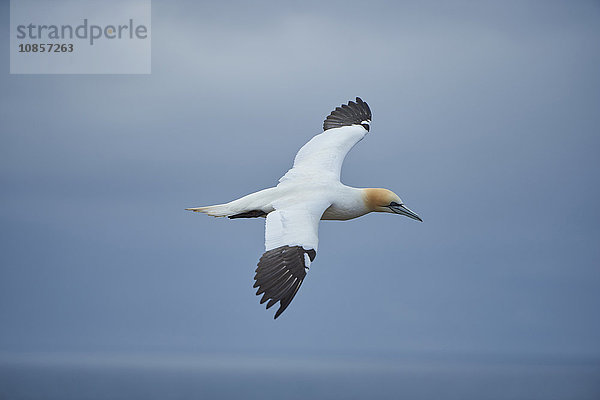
[309,192]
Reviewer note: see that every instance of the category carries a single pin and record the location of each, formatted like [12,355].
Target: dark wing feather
[352,113]
[280,273]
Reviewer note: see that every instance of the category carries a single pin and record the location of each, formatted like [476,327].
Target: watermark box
[80,37]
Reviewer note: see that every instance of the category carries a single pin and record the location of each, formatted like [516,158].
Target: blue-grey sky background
[485,121]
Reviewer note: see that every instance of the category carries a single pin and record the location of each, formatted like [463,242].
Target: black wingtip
[278,313]
[353,113]
[280,274]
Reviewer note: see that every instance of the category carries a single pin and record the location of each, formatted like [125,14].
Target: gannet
[309,192]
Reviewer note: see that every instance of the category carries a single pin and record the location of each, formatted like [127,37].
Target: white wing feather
[322,157]
[295,225]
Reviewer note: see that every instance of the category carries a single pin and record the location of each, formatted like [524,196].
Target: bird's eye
[394,204]
[366,126]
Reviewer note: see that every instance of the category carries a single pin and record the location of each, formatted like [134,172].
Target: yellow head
[383,200]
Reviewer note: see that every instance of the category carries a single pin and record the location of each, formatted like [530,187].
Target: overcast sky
[485,121]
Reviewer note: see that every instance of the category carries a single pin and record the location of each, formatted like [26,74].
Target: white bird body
[345,202]
[309,192]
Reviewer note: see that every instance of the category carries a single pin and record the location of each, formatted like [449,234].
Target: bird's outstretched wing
[291,240]
[322,157]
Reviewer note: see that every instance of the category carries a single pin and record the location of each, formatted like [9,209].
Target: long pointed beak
[402,210]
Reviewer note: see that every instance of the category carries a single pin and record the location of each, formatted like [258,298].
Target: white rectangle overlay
[80,37]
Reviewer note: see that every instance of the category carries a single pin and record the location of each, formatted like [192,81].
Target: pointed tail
[219,210]
[256,204]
